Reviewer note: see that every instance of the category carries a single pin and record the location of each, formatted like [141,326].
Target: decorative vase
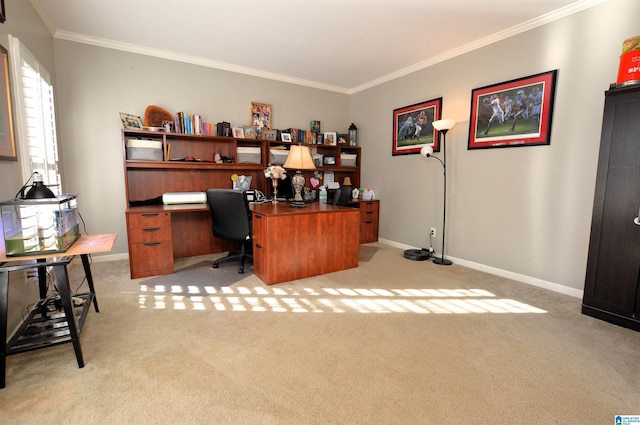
[274,182]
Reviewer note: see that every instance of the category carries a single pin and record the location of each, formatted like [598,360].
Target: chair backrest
[342,195]
[230,214]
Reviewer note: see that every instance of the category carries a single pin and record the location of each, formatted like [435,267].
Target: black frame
[3,16]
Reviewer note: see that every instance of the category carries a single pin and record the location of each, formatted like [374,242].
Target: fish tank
[39,226]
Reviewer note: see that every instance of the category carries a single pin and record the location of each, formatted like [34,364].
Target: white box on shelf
[249,154]
[348,160]
[144,150]
[278,156]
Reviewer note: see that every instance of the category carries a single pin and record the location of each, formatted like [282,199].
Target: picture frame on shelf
[330,138]
[7,137]
[513,113]
[319,138]
[286,137]
[314,126]
[131,122]
[237,132]
[249,132]
[261,115]
[329,161]
[343,140]
[269,134]
[412,128]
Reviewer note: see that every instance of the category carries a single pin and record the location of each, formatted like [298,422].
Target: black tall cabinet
[611,290]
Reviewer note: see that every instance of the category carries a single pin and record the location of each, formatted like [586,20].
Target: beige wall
[22,22]
[522,211]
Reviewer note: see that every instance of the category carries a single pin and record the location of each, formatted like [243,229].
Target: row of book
[192,124]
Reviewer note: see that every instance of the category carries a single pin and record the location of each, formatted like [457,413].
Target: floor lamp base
[442,261]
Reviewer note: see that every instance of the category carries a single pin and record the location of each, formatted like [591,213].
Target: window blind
[35,120]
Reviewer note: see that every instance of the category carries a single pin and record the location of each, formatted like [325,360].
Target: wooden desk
[294,243]
[43,328]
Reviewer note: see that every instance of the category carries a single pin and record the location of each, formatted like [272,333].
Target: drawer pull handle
[150,215]
[258,245]
[152,243]
[369,212]
[151,229]
[258,216]
[368,222]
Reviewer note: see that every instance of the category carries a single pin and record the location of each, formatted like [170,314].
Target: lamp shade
[426,150]
[441,125]
[38,189]
[299,158]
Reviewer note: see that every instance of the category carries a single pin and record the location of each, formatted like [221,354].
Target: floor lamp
[442,126]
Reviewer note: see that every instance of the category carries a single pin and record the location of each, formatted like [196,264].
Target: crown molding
[482,42]
[194,60]
[501,35]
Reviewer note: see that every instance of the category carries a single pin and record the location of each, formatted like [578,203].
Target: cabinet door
[613,266]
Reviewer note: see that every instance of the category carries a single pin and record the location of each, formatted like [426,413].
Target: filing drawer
[150,234]
[141,220]
[153,258]
[369,219]
[150,243]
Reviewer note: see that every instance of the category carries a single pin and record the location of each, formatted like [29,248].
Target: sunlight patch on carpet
[329,300]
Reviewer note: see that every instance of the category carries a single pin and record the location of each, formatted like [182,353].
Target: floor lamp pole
[442,261]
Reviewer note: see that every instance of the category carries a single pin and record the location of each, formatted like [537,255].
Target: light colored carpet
[391,342]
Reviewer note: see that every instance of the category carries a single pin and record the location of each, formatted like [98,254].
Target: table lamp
[299,159]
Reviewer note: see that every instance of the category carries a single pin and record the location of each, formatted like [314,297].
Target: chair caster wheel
[214,266]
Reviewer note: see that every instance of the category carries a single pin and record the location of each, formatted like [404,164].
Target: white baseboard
[556,287]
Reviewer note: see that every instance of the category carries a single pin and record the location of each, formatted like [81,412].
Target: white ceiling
[339,45]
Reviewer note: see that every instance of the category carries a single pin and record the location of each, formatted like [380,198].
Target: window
[35,117]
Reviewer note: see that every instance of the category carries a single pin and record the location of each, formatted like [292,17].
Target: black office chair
[231,220]
[342,195]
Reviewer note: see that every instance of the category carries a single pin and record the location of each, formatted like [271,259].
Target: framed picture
[7,140]
[412,128]
[269,134]
[249,132]
[513,113]
[131,122]
[286,137]
[331,138]
[319,138]
[261,115]
[343,140]
[329,160]
[314,126]
[237,132]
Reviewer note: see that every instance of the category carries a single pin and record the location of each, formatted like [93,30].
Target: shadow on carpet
[201,274]
[366,253]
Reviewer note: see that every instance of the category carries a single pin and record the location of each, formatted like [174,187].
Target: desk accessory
[300,159]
